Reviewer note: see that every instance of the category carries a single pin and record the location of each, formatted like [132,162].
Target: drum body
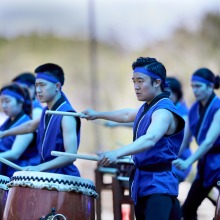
[41,196]
[217,209]
[3,193]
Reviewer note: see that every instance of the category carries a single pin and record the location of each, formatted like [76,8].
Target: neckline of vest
[11,123]
[156,99]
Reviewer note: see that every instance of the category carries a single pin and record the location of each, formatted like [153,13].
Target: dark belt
[159,167]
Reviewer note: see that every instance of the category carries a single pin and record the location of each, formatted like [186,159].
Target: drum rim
[55,175]
[4,180]
[51,181]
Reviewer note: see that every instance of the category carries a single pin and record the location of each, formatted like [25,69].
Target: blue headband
[201,79]
[47,77]
[13,94]
[147,72]
[151,74]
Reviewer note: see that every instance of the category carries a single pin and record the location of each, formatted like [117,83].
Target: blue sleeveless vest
[164,152]
[51,139]
[28,158]
[209,165]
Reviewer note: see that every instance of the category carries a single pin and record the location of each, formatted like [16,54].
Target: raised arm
[27,127]
[121,116]
[113,124]
[154,133]
[211,137]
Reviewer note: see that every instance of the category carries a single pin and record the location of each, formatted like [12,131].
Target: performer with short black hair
[158,133]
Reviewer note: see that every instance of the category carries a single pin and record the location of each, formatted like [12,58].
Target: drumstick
[75,114]
[85,157]
[9,163]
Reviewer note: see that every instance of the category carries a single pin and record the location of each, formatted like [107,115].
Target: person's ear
[58,86]
[157,83]
[210,86]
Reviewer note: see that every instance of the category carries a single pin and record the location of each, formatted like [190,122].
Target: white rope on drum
[57,215]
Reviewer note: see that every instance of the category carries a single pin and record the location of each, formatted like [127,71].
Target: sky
[131,23]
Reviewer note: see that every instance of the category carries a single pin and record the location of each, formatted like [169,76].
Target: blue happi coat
[29,158]
[149,177]
[200,120]
[50,137]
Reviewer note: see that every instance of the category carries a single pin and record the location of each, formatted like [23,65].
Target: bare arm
[122,116]
[36,113]
[154,133]
[20,144]
[187,137]
[27,127]
[113,124]
[211,136]
[70,145]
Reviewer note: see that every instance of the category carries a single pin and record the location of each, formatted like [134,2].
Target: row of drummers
[47,186]
[55,133]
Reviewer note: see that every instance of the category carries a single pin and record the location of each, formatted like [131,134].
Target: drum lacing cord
[4,181]
[57,215]
[65,182]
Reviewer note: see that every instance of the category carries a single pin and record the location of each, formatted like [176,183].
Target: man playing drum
[56,132]
[158,133]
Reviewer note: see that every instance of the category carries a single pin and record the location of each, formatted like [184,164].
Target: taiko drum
[42,196]
[3,193]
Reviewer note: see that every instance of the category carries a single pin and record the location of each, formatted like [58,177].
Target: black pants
[157,207]
[196,195]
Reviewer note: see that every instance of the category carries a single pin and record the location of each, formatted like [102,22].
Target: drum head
[52,181]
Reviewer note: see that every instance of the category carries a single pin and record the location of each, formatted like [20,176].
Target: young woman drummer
[27,80]
[16,104]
